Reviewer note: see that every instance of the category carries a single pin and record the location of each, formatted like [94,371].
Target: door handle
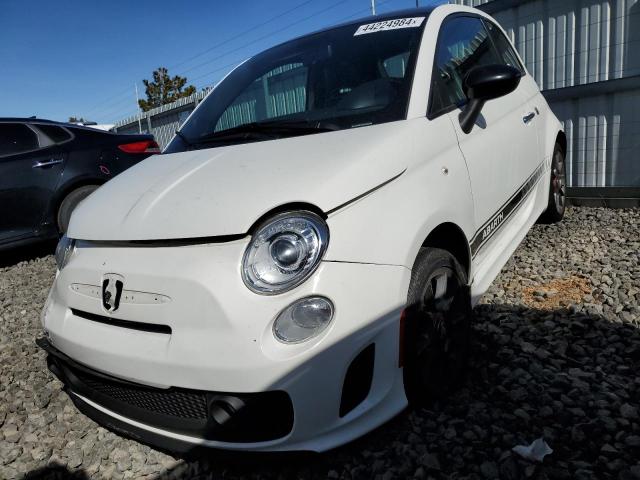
[47,163]
[527,118]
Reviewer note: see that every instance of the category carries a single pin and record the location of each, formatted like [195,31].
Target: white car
[300,263]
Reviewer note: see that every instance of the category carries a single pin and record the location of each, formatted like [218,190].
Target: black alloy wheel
[437,326]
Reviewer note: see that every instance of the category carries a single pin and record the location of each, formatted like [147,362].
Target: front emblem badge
[112,285]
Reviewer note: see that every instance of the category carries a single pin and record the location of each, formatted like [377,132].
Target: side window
[463,44]
[280,92]
[55,133]
[16,138]
[504,47]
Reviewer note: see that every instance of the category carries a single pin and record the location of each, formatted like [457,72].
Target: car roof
[50,122]
[29,120]
[408,12]
[38,120]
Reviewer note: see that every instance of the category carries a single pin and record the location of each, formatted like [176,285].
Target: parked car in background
[47,168]
[301,262]
[96,125]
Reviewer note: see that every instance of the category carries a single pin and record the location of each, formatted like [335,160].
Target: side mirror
[483,84]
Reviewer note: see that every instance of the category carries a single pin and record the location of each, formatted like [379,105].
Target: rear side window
[504,47]
[463,44]
[16,138]
[55,133]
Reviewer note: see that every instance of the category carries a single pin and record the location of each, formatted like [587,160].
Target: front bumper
[219,342]
[221,416]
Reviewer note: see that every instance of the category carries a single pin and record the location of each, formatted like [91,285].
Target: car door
[528,90]
[30,167]
[499,150]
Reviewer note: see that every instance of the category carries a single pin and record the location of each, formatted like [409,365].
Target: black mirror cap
[488,82]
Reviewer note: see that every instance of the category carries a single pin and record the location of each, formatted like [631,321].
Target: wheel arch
[450,237]
[561,139]
[66,189]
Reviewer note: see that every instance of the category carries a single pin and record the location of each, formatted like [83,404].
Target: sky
[83,58]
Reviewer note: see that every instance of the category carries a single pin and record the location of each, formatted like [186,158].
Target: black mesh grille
[221,416]
[174,403]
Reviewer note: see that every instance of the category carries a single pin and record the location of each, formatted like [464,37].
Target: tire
[437,327]
[556,205]
[69,203]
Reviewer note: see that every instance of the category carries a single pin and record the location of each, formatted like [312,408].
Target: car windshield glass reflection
[327,81]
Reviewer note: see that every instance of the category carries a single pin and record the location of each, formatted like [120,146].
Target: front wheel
[557,189]
[437,326]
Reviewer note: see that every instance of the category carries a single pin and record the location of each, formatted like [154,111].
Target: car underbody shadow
[567,375]
[56,471]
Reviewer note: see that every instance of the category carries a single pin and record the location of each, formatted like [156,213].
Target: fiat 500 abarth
[300,263]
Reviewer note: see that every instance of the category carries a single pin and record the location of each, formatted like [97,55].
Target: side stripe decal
[494,224]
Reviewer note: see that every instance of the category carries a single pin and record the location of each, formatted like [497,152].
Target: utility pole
[139,112]
[373,7]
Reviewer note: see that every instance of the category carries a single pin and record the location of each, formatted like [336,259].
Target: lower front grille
[172,402]
[221,416]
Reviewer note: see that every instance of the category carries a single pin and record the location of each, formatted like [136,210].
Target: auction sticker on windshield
[389,25]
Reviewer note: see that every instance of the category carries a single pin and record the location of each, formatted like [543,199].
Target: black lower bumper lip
[218,416]
[128,430]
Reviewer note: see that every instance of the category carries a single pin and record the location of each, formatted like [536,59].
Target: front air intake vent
[357,381]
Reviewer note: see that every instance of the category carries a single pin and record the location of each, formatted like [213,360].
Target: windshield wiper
[268,129]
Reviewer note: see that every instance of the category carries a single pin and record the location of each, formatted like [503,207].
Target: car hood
[223,191]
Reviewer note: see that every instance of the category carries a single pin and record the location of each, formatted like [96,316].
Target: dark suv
[47,168]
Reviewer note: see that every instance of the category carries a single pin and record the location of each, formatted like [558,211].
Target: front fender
[390,225]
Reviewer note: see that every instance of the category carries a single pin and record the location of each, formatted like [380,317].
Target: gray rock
[9,452]
[11,433]
[545,411]
[577,434]
[509,469]
[632,440]
[489,470]
[629,412]
[430,461]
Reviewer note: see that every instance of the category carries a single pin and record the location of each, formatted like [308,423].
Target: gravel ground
[556,355]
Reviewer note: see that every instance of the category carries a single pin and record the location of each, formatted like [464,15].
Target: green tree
[76,120]
[164,89]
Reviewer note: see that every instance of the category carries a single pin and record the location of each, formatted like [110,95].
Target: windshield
[346,77]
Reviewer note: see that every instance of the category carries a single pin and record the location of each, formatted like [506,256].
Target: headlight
[303,319]
[64,250]
[284,252]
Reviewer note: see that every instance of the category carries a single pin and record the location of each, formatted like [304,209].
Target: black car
[47,168]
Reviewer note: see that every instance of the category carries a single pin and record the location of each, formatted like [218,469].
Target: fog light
[303,319]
